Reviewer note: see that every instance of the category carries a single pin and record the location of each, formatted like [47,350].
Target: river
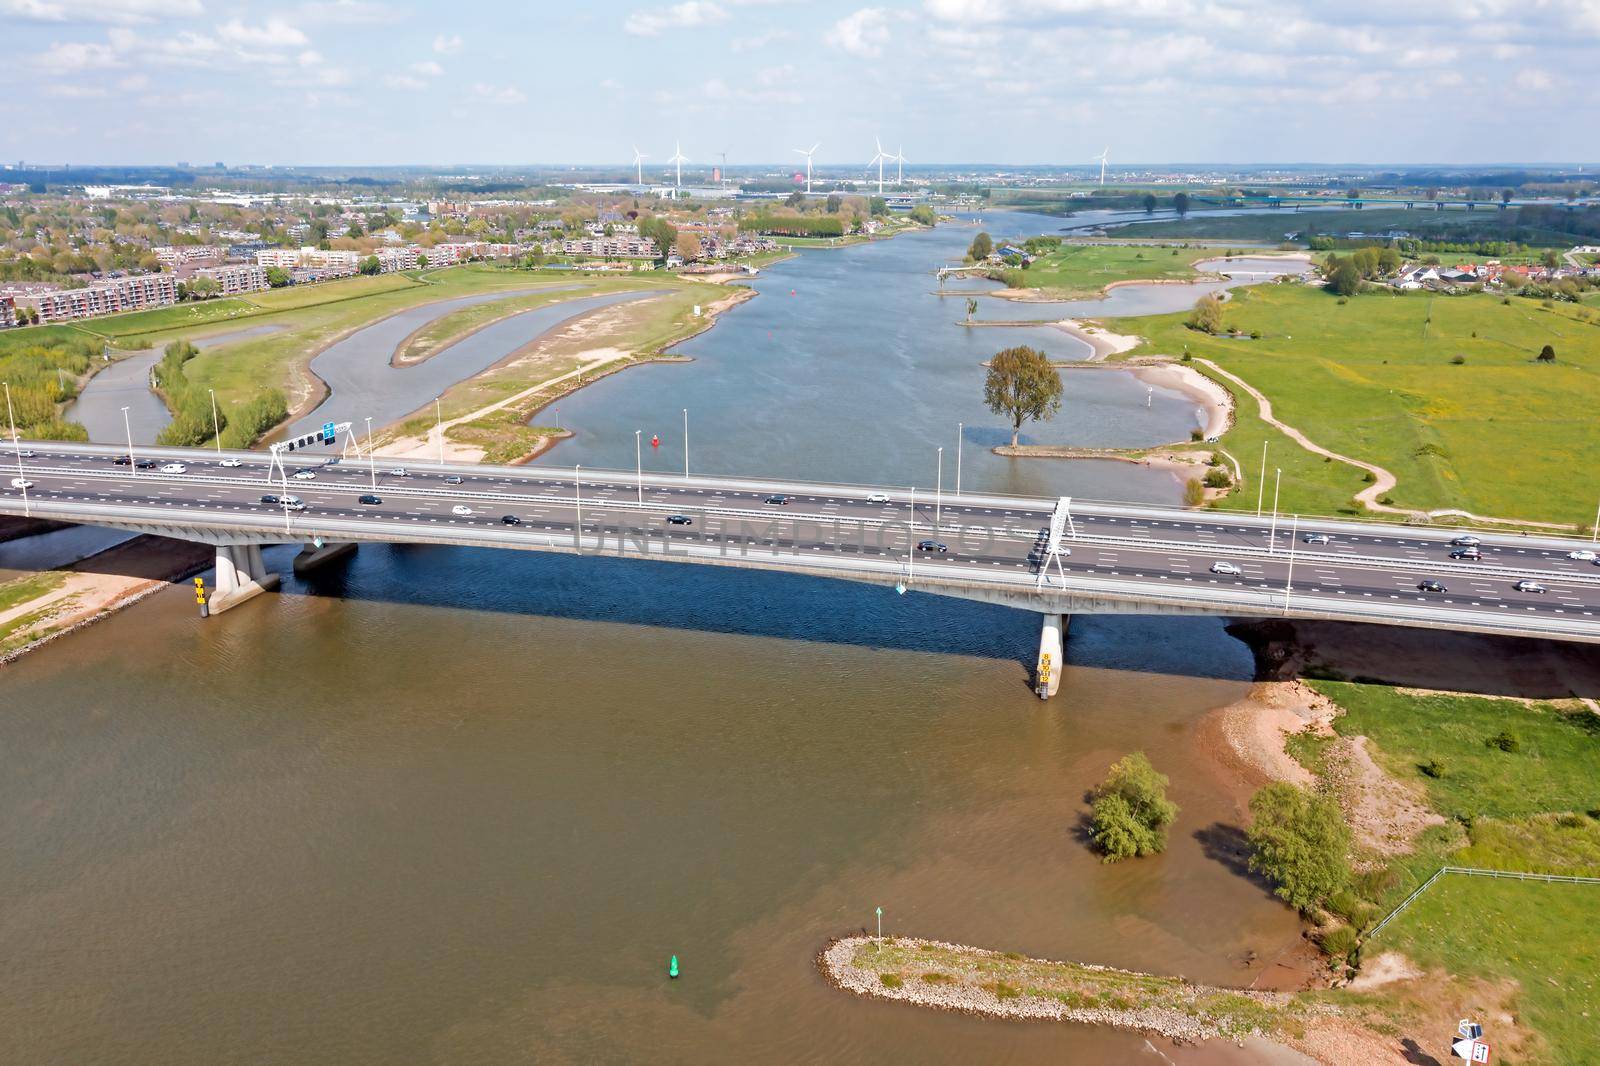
[459,806]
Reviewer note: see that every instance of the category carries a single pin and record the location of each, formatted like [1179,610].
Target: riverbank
[38,608]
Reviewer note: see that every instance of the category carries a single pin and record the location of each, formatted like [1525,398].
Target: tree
[422,261]
[980,248]
[1505,196]
[833,202]
[1207,314]
[924,215]
[877,205]
[1131,810]
[1180,204]
[1149,203]
[658,229]
[1547,354]
[277,277]
[687,246]
[1343,276]
[796,199]
[370,265]
[1550,258]
[203,288]
[1300,841]
[972,308]
[1022,385]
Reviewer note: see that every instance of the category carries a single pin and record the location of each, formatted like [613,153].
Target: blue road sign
[328,432]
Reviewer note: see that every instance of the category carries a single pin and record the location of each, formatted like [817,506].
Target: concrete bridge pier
[1047,670]
[317,554]
[241,576]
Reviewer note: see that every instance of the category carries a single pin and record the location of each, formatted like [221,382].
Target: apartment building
[392,259]
[315,258]
[184,254]
[242,277]
[621,246]
[105,297]
[8,311]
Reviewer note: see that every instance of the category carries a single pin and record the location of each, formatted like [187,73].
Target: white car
[304,475]
[21,483]
[292,503]
[1230,569]
[1316,538]
[1583,555]
[173,468]
[461,510]
[230,462]
[28,453]
[878,497]
[398,471]
[1466,540]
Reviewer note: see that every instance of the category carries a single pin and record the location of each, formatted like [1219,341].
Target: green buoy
[672,967]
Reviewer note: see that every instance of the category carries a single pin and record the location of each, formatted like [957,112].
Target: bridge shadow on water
[759,603]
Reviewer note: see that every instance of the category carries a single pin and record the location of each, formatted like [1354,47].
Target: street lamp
[638,462]
[372,460]
[961,431]
[1261,486]
[1288,583]
[216,428]
[577,491]
[438,426]
[1272,543]
[686,442]
[938,492]
[22,479]
[133,467]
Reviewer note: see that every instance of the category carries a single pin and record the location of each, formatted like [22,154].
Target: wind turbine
[1102,157]
[638,164]
[678,159]
[900,165]
[879,159]
[808,153]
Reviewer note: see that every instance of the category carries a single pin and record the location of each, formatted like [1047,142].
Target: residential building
[392,259]
[184,254]
[622,246]
[241,277]
[8,311]
[105,297]
[314,258]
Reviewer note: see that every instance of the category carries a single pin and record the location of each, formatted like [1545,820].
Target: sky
[374,82]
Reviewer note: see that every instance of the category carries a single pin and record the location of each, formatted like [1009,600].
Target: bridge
[1296,202]
[1055,557]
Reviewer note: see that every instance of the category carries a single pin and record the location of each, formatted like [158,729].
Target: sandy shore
[1216,400]
[1104,342]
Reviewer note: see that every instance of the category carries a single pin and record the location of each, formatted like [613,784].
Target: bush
[1547,354]
[1197,434]
[1505,740]
[1194,493]
[1432,768]
[1131,810]
[1301,842]
[1458,360]
[890,980]
[1217,478]
[938,979]
[1340,941]
[1207,314]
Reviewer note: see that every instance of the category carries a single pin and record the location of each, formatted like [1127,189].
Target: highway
[1122,557]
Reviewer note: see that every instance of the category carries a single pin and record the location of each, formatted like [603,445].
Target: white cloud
[74,92]
[409,82]
[759,40]
[71,57]
[427,68]
[346,13]
[274,33]
[447,46]
[687,15]
[863,33]
[1534,80]
[495,94]
[114,11]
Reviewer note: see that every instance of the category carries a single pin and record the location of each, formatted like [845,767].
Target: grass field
[1086,269]
[1554,770]
[1376,378]
[1541,935]
[121,330]
[1275,225]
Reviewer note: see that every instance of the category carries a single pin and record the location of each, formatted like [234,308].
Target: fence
[1474,872]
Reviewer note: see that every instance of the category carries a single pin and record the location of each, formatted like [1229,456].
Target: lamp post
[638,463]
[686,442]
[577,492]
[1261,486]
[438,425]
[938,493]
[1288,583]
[1277,483]
[133,467]
[961,431]
[372,460]
[911,538]
[22,479]
[216,427]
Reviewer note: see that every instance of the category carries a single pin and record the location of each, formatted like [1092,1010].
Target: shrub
[1339,941]
[1505,740]
[1344,300]
[1196,434]
[890,980]
[1255,334]
[1547,354]
[1207,314]
[938,979]
[1458,360]
[1301,842]
[1433,768]
[1131,810]
[1194,493]
[1217,478]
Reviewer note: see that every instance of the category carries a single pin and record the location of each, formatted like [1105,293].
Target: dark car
[1430,585]
[369,499]
[510,520]
[932,546]
[781,501]
[269,498]
[146,464]
[121,460]
[679,520]
[453,479]
[1470,554]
